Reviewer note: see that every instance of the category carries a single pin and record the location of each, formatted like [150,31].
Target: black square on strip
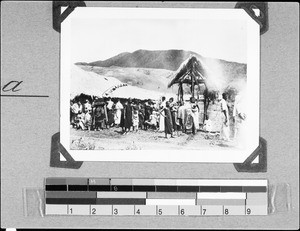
[56,187]
[210,189]
[122,188]
[121,201]
[188,188]
[77,187]
[144,188]
[231,189]
[254,189]
[99,188]
[165,188]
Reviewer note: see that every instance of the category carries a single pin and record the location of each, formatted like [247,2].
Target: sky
[95,39]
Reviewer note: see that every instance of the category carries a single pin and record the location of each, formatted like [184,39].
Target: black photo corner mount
[262,19]
[261,153]
[261,150]
[58,149]
[58,17]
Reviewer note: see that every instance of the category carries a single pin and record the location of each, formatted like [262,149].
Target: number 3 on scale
[115,211]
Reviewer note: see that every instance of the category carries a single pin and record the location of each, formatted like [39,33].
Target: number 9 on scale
[248,211]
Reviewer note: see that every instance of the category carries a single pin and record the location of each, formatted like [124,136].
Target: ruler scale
[155,197]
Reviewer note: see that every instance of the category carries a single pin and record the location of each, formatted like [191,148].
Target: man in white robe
[225,130]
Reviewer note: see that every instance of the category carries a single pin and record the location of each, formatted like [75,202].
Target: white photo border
[205,156]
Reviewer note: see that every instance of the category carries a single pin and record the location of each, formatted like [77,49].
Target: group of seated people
[132,115]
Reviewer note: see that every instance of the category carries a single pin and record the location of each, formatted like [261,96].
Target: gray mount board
[30,53]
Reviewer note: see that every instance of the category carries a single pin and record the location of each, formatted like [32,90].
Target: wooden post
[193,85]
[198,91]
[181,92]
[205,102]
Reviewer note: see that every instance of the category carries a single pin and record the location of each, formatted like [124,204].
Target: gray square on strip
[121,181]
[77,181]
[70,194]
[55,181]
[98,181]
[256,196]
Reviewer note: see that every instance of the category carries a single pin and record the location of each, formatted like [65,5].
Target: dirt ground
[113,139]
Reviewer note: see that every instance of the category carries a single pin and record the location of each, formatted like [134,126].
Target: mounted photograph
[159,84]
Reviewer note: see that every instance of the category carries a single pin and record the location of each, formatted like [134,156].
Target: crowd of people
[168,116]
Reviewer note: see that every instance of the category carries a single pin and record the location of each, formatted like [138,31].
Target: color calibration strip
[155,197]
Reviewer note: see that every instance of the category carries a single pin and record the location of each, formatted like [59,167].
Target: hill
[153,70]
[159,59]
[162,59]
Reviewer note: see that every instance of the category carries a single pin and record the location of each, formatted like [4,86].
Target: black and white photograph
[160,80]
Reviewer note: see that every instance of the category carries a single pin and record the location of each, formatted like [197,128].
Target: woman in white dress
[118,109]
[162,114]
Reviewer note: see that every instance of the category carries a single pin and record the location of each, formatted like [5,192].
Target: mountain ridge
[157,59]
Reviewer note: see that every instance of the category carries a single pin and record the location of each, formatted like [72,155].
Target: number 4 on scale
[138,211]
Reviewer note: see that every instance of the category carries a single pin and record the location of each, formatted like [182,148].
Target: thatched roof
[90,83]
[137,93]
[190,67]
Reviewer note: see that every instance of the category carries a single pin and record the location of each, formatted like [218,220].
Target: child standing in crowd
[80,121]
[135,118]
